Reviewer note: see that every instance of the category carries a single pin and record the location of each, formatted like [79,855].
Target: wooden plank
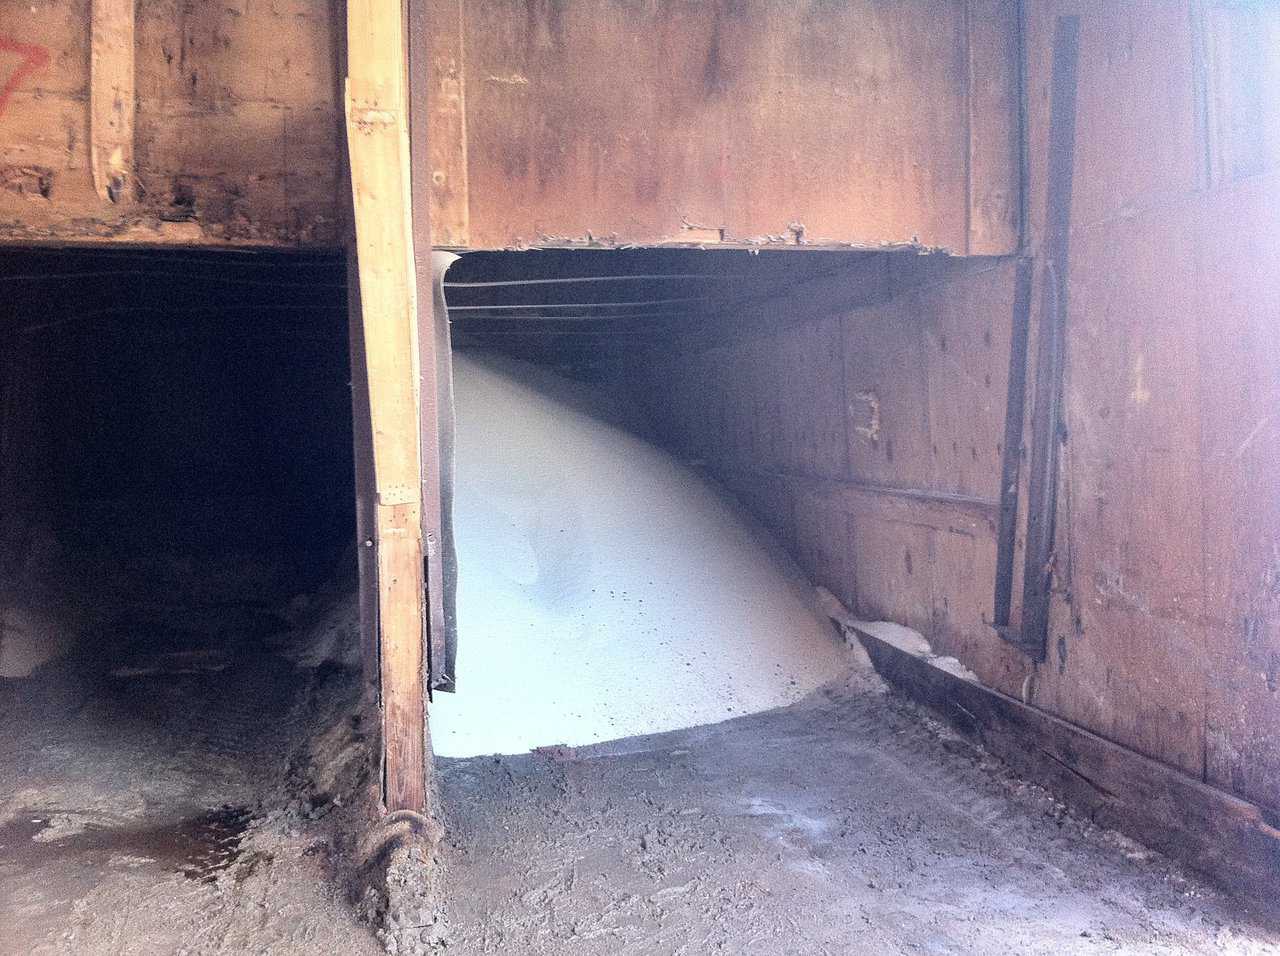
[1129,651]
[1234,302]
[824,545]
[378,141]
[1011,446]
[887,393]
[937,510]
[440,71]
[699,137]
[994,130]
[236,137]
[1231,840]
[895,569]
[1136,144]
[111,99]
[965,333]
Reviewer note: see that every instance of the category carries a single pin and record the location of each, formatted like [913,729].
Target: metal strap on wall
[1047,428]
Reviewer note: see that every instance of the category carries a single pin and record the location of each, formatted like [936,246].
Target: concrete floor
[155,794]
[843,824]
[174,814]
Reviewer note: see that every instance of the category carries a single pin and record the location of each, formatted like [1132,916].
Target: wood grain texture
[236,135]
[757,122]
[763,122]
[1164,636]
[365,483]
[378,141]
[993,124]
[1238,341]
[112,99]
[446,130]
[435,392]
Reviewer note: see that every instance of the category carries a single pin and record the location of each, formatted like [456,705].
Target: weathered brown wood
[994,133]
[1032,637]
[886,384]
[112,98]
[937,510]
[1229,839]
[236,138]
[902,139]
[378,142]
[1011,451]
[609,122]
[1238,342]
[446,122]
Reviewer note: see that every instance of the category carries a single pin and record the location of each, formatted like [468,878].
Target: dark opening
[176,515]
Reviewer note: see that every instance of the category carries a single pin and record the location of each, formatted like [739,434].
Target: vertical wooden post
[111,98]
[378,144]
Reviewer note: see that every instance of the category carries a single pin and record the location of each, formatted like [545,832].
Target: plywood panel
[967,323]
[673,120]
[824,545]
[1136,141]
[895,571]
[1239,387]
[964,572]
[236,131]
[1131,664]
[887,396]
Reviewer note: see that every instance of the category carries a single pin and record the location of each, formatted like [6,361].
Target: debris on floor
[187,790]
[848,823]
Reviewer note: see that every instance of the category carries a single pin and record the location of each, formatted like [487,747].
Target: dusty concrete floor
[167,808]
[844,824]
[156,802]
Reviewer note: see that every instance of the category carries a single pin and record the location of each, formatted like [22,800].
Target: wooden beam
[436,62]
[1231,840]
[378,143]
[112,99]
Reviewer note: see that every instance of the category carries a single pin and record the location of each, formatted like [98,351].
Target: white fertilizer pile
[604,589]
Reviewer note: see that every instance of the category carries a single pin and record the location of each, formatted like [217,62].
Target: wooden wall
[869,434]
[574,122]
[236,126]
[765,122]
[1166,626]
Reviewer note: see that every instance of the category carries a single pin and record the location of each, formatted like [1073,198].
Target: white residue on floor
[604,589]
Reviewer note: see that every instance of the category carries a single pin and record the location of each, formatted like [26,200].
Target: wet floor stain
[199,846]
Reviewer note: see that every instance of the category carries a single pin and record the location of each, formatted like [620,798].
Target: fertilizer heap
[605,590]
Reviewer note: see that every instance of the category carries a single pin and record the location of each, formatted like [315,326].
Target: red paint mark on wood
[33,58]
